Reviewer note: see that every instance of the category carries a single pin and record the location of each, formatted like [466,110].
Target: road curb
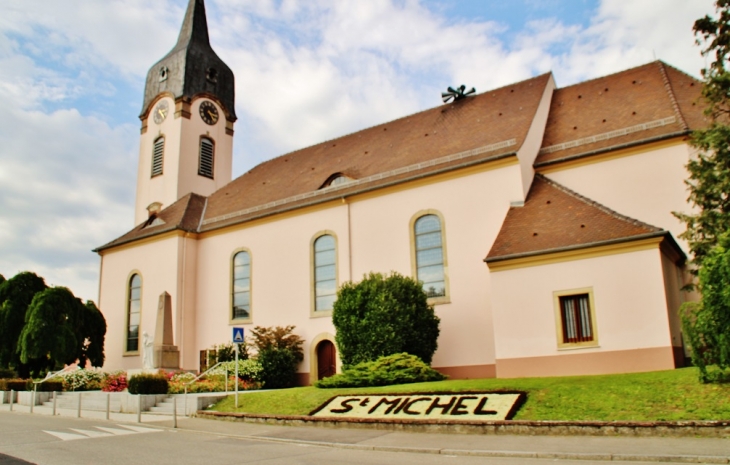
[706,429]
[706,459]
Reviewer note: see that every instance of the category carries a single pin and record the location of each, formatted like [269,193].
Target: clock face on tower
[208,112]
[160,112]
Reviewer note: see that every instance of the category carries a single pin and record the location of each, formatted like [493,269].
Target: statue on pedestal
[147,351]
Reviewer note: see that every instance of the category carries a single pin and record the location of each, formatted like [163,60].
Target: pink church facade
[538,218]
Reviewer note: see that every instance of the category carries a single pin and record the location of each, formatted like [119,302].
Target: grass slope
[663,395]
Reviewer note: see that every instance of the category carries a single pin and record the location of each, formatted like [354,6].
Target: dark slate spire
[192,67]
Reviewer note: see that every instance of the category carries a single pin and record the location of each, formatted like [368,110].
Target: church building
[538,218]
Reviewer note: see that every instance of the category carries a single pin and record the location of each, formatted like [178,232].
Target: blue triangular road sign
[237,335]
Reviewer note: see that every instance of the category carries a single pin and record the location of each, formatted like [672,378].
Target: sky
[72,79]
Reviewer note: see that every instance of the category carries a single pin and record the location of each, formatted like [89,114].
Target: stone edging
[712,429]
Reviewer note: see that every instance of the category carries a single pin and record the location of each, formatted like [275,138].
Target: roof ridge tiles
[410,115]
[595,204]
[672,96]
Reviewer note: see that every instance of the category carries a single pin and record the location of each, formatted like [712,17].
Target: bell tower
[186,142]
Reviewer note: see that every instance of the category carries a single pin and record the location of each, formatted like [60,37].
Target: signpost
[237,339]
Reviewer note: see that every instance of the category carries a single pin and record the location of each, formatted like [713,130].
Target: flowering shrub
[114,382]
[215,383]
[247,369]
[80,380]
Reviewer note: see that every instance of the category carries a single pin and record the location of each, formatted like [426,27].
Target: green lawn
[663,395]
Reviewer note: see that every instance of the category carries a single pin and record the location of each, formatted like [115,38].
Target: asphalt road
[46,440]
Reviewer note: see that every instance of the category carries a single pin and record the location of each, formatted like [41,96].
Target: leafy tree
[16,295]
[2,280]
[383,316]
[279,337]
[61,329]
[279,351]
[706,323]
[93,332]
[709,172]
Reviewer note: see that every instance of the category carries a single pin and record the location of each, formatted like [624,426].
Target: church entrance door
[325,359]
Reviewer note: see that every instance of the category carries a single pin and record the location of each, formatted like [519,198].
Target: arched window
[325,272]
[205,164]
[430,255]
[241,286]
[134,305]
[158,153]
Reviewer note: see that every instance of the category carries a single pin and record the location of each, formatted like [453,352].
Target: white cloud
[306,71]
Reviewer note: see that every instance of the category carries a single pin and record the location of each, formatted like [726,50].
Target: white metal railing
[50,376]
[200,376]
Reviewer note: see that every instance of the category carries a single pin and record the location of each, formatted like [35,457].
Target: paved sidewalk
[91,414]
[677,450]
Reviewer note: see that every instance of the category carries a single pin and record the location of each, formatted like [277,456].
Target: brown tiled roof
[555,218]
[185,215]
[477,122]
[640,104]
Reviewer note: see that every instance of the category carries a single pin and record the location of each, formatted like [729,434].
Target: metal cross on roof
[456,94]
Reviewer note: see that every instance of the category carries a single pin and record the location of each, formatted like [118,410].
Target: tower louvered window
[205,166]
[158,152]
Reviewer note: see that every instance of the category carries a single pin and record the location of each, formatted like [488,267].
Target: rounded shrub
[278,368]
[384,315]
[392,369]
[148,384]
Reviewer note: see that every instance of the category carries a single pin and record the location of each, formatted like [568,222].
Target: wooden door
[326,359]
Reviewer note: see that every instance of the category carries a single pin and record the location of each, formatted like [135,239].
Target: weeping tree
[16,295]
[62,329]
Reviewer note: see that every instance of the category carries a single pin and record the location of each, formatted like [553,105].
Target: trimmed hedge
[278,368]
[13,385]
[48,386]
[148,384]
[392,369]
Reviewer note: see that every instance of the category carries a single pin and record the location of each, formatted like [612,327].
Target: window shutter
[158,152]
[205,168]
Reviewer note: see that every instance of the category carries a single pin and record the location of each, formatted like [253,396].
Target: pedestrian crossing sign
[238,335]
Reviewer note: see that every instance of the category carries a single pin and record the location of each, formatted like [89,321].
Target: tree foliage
[43,328]
[709,171]
[384,315]
[706,323]
[279,337]
[16,294]
[279,351]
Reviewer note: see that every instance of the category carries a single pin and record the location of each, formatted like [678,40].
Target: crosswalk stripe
[65,436]
[116,431]
[141,429]
[91,434]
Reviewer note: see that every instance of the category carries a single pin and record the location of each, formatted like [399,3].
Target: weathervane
[456,94]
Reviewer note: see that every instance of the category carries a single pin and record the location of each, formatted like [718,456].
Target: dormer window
[211,75]
[337,179]
[163,73]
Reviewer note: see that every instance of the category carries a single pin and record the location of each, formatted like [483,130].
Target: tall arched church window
[428,234]
[134,306]
[325,272]
[206,160]
[158,154]
[241,286]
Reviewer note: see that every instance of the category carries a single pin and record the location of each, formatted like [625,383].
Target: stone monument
[166,353]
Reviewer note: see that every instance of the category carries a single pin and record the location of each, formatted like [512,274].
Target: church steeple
[191,68]
[186,140]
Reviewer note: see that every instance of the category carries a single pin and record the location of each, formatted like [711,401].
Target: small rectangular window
[575,318]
